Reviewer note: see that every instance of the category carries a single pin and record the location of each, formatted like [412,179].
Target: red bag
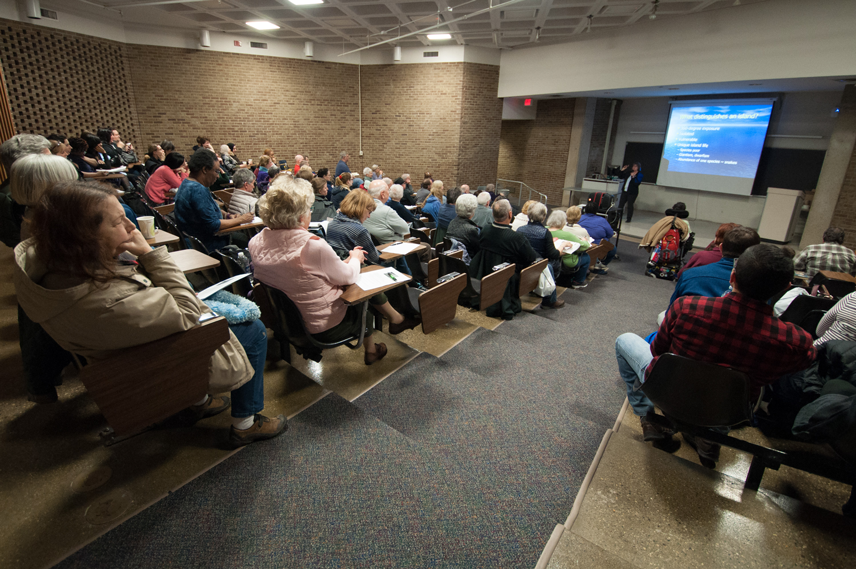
[668,250]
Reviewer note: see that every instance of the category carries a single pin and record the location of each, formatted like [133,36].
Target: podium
[781,212]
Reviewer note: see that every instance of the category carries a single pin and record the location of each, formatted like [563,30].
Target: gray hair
[32,174]
[286,202]
[367,172]
[376,188]
[537,212]
[465,205]
[557,219]
[242,176]
[489,188]
[21,145]
[396,192]
[342,154]
[501,209]
[273,171]
[387,181]
[405,176]
[483,198]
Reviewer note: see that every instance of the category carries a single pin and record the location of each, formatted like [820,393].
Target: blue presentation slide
[716,140]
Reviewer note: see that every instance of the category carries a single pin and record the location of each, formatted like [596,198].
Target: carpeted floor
[468,460]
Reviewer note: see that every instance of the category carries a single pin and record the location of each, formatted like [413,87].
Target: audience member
[306,268]
[322,208]
[297,160]
[305,173]
[78,158]
[573,216]
[737,330]
[714,280]
[377,173]
[227,159]
[423,192]
[839,323]
[831,255]
[542,243]
[409,197]
[463,228]
[163,184]
[262,177]
[203,142]
[598,229]
[657,231]
[483,216]
[243,198]
[491,189]
[446,212]
[342,187]
[273,172]
[342,166]
[396,192]
[465,189]
[712,253]
[118,310]
[42,357]
[167,147]
[156,158]
[324,173]
[12,213]
[576,263]
[346,230]
[782,303]
[500,244]
[522,218]
[383,222]
[431,205]
[196,212]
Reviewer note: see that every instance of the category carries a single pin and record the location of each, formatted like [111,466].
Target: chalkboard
[788,168]
[646,153]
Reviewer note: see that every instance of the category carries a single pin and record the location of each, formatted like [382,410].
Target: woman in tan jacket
[76,278]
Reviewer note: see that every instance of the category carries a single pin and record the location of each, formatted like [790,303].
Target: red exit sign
[527,102]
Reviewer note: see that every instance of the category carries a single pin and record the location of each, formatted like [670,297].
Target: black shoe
[651,431]
[667,444]
[708,452]
[409,323]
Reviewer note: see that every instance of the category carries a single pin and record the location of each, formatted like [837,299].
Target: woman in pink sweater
[167,178]
[287,257]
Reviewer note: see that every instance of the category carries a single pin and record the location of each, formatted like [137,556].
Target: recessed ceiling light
[305,2]
[262,25]
[439,36]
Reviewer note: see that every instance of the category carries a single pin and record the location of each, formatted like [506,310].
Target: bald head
[377,188]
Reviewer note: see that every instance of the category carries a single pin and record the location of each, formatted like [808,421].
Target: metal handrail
[541,197]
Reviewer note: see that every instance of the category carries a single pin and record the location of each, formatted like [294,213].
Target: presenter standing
[630,180]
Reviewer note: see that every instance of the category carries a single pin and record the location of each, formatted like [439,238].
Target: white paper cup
[147,226]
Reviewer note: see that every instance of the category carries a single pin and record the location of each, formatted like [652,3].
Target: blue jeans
[552,298]
[609,257]
[634,354]
[249,399]
[582,269]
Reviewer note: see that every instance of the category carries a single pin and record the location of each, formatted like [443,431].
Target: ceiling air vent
[49,14]
[258,44]
[430,54]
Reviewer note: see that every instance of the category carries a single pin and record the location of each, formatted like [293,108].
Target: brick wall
[845,211]
[481,126]
[64,82]
[598,135]
[536,152]
[442,117]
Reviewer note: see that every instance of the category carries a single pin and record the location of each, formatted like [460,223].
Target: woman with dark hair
[630,187]
[77,156]
[163,184]
[423,192]
[156,158]
[167,146]
[75,277]
[342,186]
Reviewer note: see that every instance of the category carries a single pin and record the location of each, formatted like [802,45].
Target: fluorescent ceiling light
[305,2]
[439,36]
[262,25]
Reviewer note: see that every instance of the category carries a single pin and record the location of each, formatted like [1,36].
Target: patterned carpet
[469,460]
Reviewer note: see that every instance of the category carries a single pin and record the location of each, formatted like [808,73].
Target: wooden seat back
[164,209]
[493,286]
[224,195]
[440,304]
[599,251]
[433,272]
[529,277]
[148,383]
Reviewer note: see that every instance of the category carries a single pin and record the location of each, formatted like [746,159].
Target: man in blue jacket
[598,229]
[714,279]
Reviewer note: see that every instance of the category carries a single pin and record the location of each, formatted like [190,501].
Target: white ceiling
[357,23]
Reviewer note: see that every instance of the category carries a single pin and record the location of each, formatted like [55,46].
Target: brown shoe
[377,356]
[263,428]
[214,406]
[409,323]
[557,304]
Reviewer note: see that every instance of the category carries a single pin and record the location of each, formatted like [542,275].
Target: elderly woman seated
[542,242]
[95,300]
[396,195]
[462,227]
[307,269]
[322,207]
[522,218]
[346,230]
[431,205]
[576,263]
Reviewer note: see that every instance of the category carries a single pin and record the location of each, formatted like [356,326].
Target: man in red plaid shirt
[737,330]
